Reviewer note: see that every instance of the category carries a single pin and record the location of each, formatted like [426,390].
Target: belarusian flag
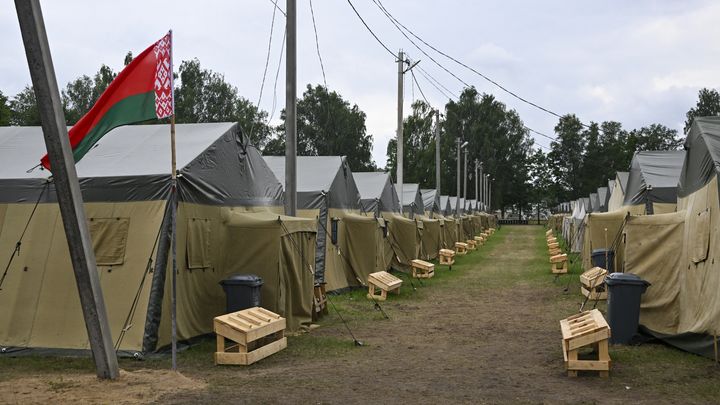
[142,91]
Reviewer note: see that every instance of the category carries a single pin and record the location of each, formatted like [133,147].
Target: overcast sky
[637,62]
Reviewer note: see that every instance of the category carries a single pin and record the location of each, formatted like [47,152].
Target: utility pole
[291,109]
[490,192]
[482,187]
[485,194]
[437,153]
[465,195]
[67,186]
[477,199]
[400,145]
[457,196]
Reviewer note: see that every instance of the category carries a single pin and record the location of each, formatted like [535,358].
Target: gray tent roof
[622,177]
[654,177]
[319,177]
[595,202]
[703,160]
[444,204]
[132,163]
[412,199]
[586,204]
[377,192]
[604,197]
[431,200]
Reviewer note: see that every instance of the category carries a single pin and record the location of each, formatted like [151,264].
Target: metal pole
[482,187]
[67,186]
[477,168]
[291,109]
[465,178]
[457,196]
[173,232]
[437,153]
[485,194]
[490,193]
[400,144]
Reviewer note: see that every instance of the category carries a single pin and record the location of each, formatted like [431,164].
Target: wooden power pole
[67,186]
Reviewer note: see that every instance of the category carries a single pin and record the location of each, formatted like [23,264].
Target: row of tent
[229,220]
[667,231]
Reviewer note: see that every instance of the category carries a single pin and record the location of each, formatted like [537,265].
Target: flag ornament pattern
[164,106]
[142,91]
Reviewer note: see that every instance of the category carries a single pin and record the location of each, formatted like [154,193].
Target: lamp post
[465,196]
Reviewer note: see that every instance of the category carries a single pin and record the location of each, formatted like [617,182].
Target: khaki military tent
[652,182]
[223,185]
[412,200]
[679,253]
[377,195]
[326,191]
[617,191]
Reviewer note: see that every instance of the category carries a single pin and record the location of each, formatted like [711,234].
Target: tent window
[701,238]
[109,238]
[197,246]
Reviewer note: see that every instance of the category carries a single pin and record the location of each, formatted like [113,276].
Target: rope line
[16,250]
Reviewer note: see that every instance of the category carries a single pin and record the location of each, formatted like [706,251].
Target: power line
[317,45]
[274,2]
[267,58]
[419,88]
[435,83]
[370,30]
[395,23]
[503,88]
[277,74]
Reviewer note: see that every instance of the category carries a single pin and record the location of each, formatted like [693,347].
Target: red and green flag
[142,91]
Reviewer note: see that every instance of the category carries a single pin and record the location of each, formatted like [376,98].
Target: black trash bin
[598,259]
[624,293]
[242,291]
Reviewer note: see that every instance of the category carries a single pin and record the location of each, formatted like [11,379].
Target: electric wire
[277,75]
[274,2]
[317,45]
[395,22]
[267,63]
[370,30]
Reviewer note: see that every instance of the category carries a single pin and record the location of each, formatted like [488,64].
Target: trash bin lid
[250,280]
[601,251]
[625,279]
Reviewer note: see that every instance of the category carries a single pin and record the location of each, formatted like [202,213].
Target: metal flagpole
[291,109]
[173,217]
[400,144]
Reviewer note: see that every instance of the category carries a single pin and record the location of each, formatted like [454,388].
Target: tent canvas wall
[125,183]
[445,205]
[679,253]
[652,182]
[326,191]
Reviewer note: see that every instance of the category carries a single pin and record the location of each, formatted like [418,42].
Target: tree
[497,137]
[5,112]
[566,157]
[541,180]
[128,58]
[205,96]
[594,161]
[708,104]
[653,137]
[419,147]
[24,108]
[328,125]
[82,93]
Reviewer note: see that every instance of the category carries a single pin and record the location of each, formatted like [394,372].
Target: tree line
[581,158]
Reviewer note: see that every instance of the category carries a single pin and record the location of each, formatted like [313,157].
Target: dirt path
[486,333]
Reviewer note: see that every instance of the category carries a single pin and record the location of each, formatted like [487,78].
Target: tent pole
[173,231]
